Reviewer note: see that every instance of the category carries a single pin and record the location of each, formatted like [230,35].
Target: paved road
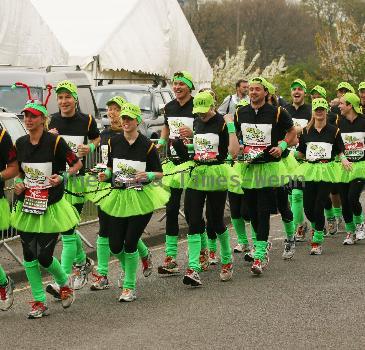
[311,302]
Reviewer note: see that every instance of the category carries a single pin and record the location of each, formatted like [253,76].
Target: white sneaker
[316,249]
[360,232]
[301,232]
[81,273]
[289,249]
[128,295]
[241,248]
[67,294]
[350,239]
[7,295]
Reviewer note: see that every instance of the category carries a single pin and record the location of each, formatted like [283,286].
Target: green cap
[203,101]
[271,88]
[320,103]
[298,83]
[361,85]
[260,80]
[320,90]
[242,103]
[69,86]
[354,100]
[132,111]
[119,100]
[185,77]
[345,85]
[35,107]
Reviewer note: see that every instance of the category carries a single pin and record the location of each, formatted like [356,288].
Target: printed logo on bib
[36,174]
[206,146]
[177,122]
[104,154]
[354,145]
[125,171]
[318,151]
[256,137]
[73,142]
[35,201]
[300,122]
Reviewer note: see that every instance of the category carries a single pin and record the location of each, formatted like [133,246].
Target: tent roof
[25,37]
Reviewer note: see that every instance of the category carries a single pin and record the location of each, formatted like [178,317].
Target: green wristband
[283,145]
[296,154]
[190,147]
[108,173]
[92,147]
[151,176]
[231,127]
[161,142]
[19,180]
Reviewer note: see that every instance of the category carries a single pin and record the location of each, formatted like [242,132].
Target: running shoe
[147,265]
[38,310]
[99,282]
[331,226]
[67,294]
[226,272]
[350,239]
[241,248]
[54,290]
[248,257]
[213,259]
[81,273]
[256,267]
[316,249]
[192,278]
[360,232]
[128,295]
[169,267]
[6,295]
[204,259]
[289,249]
[121,279]
[301,232]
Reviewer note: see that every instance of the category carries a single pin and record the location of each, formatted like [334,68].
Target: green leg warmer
[260,250]
[358,219]
[142,249]
[56,271]
[253,235]
[240,228]
[313,225]
[80,252]
[194,247]
[350,227]
[338,212]
[297,206]
[121,257]
[318,237]
[3,278]
[68,252]
[35,280]
[131,267]
[103,254]
[212,245]
[289,228]
[329,213]
[226,251]
[171,246]
[204,240]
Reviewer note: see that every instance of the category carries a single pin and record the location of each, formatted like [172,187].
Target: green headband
[185,77]
[36,106]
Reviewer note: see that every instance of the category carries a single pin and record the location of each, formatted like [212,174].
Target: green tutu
[220,177]
[357,172]
[168,167]
[95,190]
[272,174]
[327,172]
[59,217]
[130,202]
[4,214]
[75,184]
[290,163]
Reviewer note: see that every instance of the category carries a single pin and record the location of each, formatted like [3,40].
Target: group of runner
[301,160]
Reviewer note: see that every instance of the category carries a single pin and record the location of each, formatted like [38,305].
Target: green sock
[142,249]
[56,271]
[297,207]
[103,255]
[313,225]
[338,212]
[350,227]
[3,278]
[35,280]
[171,246]
[260,250]
[329,213]
[131,267]
[212,245]
[194,247]
[253,235]
[318,237]
[289,228]
[68,252]
[240,228]
[358,219]
[204,240]
[80,252]
[226,251]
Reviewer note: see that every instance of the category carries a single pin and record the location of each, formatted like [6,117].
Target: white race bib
[256,134]
[354,145]
[36,174]
[318,151]
[73,142]
[206,143]
[104,154]
[177,122]
[300,122]
[126,169]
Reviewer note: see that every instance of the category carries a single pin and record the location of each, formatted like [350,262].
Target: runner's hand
[228,118]
[141,176]
[54,180]
[19,188]
[185,132]
[346,164]
[101,177]
[53,131]
[276,152]
[83,150]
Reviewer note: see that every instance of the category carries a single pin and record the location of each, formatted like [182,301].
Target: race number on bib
[318,151]
[206,146]
[35,201]
[256,138]
[177,122]
[354,145]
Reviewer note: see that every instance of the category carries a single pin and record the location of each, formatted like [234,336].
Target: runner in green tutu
[8,169]
[42,212]
[133,165]
[319,144]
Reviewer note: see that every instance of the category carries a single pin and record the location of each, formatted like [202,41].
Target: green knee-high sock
[68,252]
[131,266]
[358,219]
[80,252]
[3,278]
[103,255]
[142,249]
[194,247]
[318,237]
[338,212]
[212,245]
[260,250]
[289,228]
[226,251]
[204,240]
[297,207]
[171,246]
[240,228]
[253,235]
[329,213]
[56,271]
[35,280]
[350,227]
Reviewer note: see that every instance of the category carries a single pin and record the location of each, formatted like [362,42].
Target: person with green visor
[177,131]
[42,212]
[8,169]
[76,128]
[361,90]
[319,144]
[352,126]
[342,88]
[133,165]
[262,170]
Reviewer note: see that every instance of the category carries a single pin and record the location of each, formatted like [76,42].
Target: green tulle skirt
[168,167]
[272,174]
[75,184]
[124,203]
[95,190]
[357,172]
[290,163]
[327,172]
[4,214]
[59,217]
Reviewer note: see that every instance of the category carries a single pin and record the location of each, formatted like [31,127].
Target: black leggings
[39,246]
[350,198]
[216,202]
[315,196]
[238,206]
[283,205]
[103,224]
[126,232]
[172,212]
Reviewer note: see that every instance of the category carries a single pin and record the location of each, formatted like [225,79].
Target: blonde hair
[311,122]
[46,122]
